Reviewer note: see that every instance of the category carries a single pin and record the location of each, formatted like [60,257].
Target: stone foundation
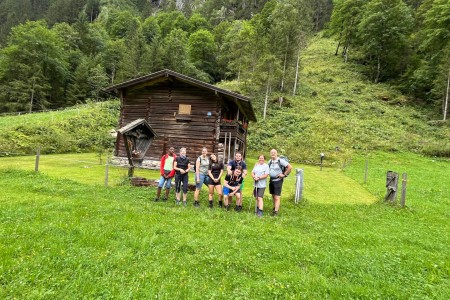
[145,164]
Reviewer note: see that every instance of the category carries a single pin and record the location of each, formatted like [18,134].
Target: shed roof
[136,123]
[241,101]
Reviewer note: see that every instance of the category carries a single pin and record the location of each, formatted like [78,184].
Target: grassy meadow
[63,234]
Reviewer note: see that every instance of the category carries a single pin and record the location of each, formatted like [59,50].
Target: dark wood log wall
[159,105]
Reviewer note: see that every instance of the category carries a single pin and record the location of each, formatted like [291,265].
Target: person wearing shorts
[201,174]
[259,174]
[232,164]
[215,172]
[277,175]
[182,166]
[232,187]
[167,172]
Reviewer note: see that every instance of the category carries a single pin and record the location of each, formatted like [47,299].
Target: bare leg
[219,192]
[276,202]
[211,192]
[158,193]
[239,199]
[196,193]
[260,203]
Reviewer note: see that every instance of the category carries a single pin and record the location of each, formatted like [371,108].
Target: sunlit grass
[65,236]
[88,168]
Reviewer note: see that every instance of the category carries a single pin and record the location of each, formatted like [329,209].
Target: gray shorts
[259,192]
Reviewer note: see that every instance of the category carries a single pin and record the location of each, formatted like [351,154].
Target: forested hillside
[337,111]
[56,53]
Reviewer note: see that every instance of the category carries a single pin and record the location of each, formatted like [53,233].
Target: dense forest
[56,53]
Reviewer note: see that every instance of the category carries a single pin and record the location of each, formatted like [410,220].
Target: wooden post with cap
[403,196]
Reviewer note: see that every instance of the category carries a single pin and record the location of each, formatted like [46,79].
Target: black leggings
[181,178]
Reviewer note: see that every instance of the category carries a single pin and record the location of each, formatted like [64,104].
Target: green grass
[83,128]
[11,121]
[64,235]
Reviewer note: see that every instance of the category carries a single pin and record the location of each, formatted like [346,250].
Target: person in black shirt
[215,172]
[182,167]
[232,187]
[232,164]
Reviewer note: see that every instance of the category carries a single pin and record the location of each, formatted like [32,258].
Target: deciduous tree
[383,36]
[33,68]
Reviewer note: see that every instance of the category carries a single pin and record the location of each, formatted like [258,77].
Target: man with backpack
[279,168]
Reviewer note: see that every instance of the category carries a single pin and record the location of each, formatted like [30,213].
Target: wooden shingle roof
[241,101]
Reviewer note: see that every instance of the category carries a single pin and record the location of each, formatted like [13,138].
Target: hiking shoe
[220,204]
[210,204]
[164,199]
[196,204]
[227,207]
[259,213]
[156,199]
[184,203]
[177,202]
[236,208]
[274,213]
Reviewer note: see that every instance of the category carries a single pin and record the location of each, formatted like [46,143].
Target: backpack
[283,168]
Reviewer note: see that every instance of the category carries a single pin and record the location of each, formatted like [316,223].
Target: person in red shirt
[167,172]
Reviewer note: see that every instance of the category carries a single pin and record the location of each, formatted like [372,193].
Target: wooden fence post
[322,156]
[38,154]
[391,186]
[106,173]
[366,170]
[403,197]
[298,185]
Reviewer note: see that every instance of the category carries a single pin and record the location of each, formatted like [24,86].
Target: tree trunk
[377,77]
[284,64]
[340,37]
[32,97]
[239,73]
[339,45]
[267,97]
[318,13]
[346,53]
[296,71]
[446,96]
[348,38]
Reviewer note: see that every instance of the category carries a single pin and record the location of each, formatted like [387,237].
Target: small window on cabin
[184,109]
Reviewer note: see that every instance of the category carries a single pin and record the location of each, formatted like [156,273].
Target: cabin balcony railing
[236,129]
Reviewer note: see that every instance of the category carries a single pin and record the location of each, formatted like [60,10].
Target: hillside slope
[81,128]
[339,107]
[337,111]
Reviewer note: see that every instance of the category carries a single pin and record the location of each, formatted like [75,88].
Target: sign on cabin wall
[184,109]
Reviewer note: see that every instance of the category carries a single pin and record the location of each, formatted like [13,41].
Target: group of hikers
[209,171]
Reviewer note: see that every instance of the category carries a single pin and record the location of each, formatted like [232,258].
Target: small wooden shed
[184,112]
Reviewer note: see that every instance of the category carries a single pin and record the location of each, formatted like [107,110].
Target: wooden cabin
[184,112]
